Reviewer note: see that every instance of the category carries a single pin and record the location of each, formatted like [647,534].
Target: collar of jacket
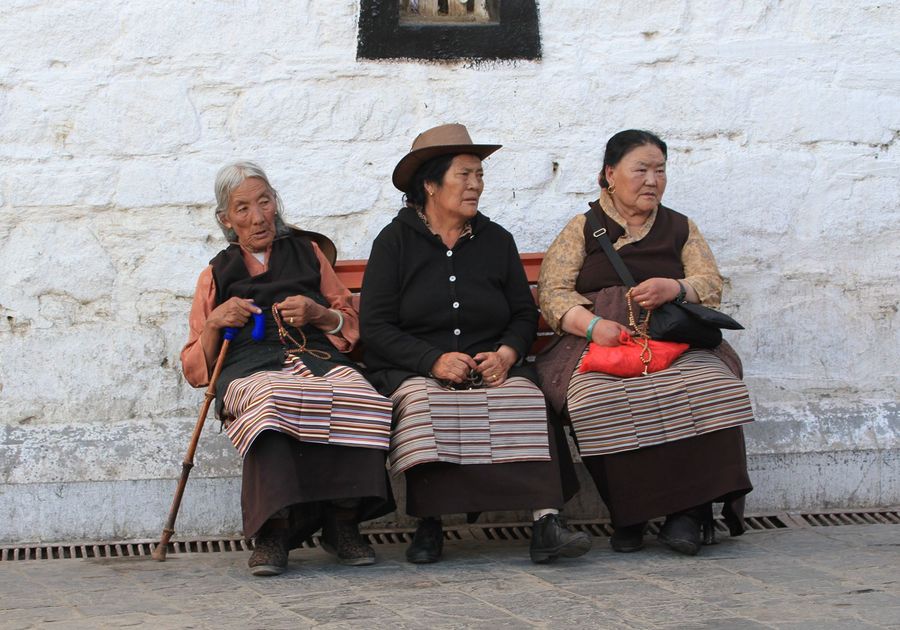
[408,216]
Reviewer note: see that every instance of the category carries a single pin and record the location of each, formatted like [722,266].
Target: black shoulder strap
[618,264]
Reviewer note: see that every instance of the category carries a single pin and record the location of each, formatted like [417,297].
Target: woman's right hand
[232,313]
[607,332]
[453,366]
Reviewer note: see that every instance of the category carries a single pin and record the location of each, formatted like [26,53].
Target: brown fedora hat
[440,140]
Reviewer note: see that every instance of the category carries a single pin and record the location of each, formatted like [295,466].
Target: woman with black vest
[311,430]
[669,443]
[447,321]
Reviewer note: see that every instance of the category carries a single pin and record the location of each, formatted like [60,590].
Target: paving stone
[39,614]
[472,613]
[630,589]
[731,623]
[554,606]
[680,611]
[827,624]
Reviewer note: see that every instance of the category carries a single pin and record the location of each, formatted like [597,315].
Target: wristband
[590,329]
[340,325]
[681,293]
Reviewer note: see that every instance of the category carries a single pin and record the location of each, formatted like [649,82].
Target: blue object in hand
[259,327]
[230,333]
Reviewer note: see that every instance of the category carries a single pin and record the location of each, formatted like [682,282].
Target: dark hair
[620,144]
[432,171]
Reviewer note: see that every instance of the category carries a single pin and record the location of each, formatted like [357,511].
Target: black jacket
[420,300]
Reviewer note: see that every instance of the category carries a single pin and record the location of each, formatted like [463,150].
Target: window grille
[443,11]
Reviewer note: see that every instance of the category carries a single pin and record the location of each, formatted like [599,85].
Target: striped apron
[697,394]
[339,408]
[472,426]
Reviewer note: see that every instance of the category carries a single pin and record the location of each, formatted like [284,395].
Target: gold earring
[611,189]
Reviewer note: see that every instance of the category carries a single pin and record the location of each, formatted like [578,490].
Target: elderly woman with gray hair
[311,430]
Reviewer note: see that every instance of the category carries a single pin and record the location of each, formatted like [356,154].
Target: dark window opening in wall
[448,29]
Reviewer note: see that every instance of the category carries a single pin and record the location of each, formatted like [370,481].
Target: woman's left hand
[494,366]
[655,292]
[298,310]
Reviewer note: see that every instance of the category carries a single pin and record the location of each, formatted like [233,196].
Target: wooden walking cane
[159,554]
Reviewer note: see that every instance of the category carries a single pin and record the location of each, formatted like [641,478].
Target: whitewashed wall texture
[783,120]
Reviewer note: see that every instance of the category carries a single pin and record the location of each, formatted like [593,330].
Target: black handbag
[681,321]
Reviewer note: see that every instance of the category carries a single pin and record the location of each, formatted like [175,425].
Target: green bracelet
[590,329]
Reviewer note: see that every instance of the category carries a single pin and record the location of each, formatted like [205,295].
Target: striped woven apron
[339,408]
[697,394]
[473,426]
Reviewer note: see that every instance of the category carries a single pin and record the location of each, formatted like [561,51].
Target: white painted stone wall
[783,120]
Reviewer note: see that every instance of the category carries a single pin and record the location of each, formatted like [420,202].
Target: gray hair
[228,179]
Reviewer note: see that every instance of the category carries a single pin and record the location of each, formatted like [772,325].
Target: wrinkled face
[639,179]
[458,194]
[251,214]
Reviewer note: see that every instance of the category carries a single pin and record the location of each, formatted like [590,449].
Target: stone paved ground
[817,578]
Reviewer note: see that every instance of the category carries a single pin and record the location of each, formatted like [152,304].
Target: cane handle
[230,333]
[259,327]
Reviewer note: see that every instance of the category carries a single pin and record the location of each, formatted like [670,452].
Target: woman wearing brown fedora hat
[447,318]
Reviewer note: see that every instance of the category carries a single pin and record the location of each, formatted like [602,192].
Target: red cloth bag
[625,360]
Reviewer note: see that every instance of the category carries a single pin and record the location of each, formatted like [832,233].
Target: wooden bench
[350,273]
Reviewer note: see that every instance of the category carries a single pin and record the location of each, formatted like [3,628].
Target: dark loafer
[550,538]
[428,542]
[681,533]
[628,538]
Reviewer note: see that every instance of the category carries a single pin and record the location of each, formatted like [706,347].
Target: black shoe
[428,542]
[341,537]
[681,533]
[628,538]
[550,538]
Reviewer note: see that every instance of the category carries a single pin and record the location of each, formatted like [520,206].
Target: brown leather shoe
[269,556]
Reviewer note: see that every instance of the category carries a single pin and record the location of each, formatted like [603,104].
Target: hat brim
[325,244]
[406,168]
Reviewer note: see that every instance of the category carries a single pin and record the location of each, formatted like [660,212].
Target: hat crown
[444,135]
[449,139]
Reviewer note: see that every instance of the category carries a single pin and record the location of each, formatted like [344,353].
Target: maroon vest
[657,255]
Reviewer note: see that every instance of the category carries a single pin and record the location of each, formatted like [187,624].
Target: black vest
[293,270]
[657,255]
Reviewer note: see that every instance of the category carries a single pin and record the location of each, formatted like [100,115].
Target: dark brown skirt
[280,471]
[658,480]
[439,488]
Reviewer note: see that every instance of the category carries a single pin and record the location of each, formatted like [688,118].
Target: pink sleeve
[339,299]
[193,360]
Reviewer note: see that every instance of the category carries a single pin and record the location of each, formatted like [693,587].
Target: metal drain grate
[830,519]
[124,549]
[485,532]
